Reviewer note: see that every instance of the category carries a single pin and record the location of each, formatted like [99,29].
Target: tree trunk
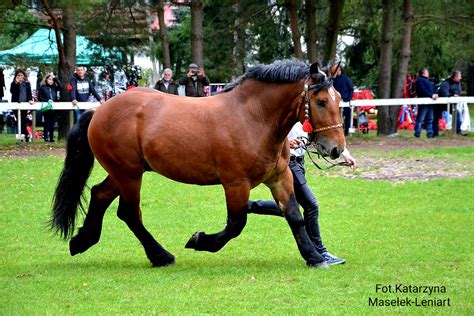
[66,69]
[405,50]
[197,32]
[67,59]
[311,40]
[238,52]
[403,61]
[385,67]
[295,31]
[164,34]
[335,17]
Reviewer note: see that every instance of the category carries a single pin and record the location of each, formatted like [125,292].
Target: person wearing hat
[344,86]
[194,81]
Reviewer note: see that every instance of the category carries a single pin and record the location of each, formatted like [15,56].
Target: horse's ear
[314,68]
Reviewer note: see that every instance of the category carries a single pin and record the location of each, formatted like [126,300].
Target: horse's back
[165,132]
[191,140]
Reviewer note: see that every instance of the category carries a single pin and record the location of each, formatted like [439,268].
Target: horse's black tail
[77,168]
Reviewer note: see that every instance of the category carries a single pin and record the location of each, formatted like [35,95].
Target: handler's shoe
[331,259]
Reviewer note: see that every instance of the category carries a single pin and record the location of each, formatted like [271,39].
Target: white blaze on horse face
[332,93]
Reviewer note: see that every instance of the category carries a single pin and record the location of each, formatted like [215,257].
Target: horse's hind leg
[102,195]
[129,211]
[236,199]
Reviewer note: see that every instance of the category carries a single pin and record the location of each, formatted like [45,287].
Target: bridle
[315,88]
[306,146]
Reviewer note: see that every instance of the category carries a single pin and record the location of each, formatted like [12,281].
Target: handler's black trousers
[304,196]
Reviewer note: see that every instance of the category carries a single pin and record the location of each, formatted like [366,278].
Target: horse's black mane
[281,71]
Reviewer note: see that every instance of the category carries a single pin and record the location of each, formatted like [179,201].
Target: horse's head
[322,112]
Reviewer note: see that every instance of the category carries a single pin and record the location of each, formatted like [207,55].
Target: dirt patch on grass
[397,143]
[403,169]
[25,150]
[375,163]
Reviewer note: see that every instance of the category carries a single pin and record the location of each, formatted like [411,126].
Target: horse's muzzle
[325,149]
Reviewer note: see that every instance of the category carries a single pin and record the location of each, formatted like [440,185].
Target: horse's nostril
[335,152]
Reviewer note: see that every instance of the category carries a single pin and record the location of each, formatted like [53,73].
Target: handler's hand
[74,102]
[295,143]
[350,160]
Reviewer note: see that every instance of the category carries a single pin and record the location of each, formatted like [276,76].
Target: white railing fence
[4,106]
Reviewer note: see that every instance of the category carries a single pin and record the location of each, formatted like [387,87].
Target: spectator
[80,88]
[425,89]
[48,91]
[194,81]
[39,78]
[3,87]
[11,122]
[304,196]
[29,125]
[21,92]
[133,74]
[166,84]
[344,86]
[2,122]
[409,90]
[451,87]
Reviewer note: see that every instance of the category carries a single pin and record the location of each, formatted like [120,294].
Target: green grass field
[416,233]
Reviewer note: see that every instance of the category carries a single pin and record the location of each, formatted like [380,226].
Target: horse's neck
[275,105]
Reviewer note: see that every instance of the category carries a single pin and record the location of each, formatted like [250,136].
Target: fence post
[18,120]
[454,121]
[33,126]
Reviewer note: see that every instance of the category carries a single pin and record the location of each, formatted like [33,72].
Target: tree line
[385,39]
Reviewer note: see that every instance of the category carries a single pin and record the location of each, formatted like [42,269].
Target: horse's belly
[199,180]
[191,172]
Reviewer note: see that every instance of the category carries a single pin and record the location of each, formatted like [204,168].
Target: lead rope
[332,165]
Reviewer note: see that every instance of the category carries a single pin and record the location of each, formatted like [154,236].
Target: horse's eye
[321,103]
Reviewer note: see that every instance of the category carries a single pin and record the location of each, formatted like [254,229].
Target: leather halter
[307,105]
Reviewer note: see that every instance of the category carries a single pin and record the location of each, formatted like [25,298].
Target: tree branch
[244,22]
[57,31]
[429,18]
[25,23]
[131,13]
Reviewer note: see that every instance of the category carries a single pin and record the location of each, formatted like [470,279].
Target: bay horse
[237,138]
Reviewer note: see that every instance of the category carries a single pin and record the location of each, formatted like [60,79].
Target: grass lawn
[416,233]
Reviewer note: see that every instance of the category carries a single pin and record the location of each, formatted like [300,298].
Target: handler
[304,196]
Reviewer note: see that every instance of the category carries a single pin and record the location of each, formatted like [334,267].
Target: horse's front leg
[283,193]
[237,196]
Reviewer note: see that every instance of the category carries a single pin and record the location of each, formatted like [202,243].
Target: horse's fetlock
[122,215]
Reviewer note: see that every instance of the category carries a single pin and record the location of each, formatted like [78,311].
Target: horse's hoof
[319,265]
[76,246]
[79,244]
[192,242]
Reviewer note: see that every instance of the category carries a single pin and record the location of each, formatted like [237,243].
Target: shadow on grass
[210,264]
